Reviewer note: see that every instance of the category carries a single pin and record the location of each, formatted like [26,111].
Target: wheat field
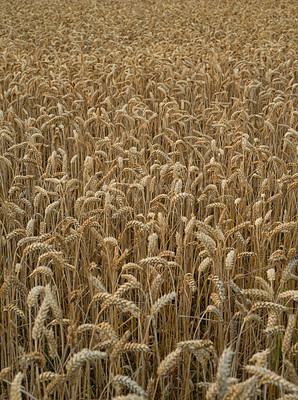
[148,200]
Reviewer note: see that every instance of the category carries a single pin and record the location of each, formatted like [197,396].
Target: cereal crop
[148,199]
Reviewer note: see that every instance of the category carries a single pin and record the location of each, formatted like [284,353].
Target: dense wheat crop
[148,199]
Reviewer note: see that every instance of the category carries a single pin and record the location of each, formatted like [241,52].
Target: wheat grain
[121,380]
[286,344]
[169,362]
[16,388]
[148,153]
[78,359]
[162,301]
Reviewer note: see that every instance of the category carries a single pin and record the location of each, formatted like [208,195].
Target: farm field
[148,200]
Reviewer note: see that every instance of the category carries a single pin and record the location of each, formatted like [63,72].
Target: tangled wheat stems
[148,200]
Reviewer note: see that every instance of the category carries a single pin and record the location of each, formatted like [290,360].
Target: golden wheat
[148,199]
